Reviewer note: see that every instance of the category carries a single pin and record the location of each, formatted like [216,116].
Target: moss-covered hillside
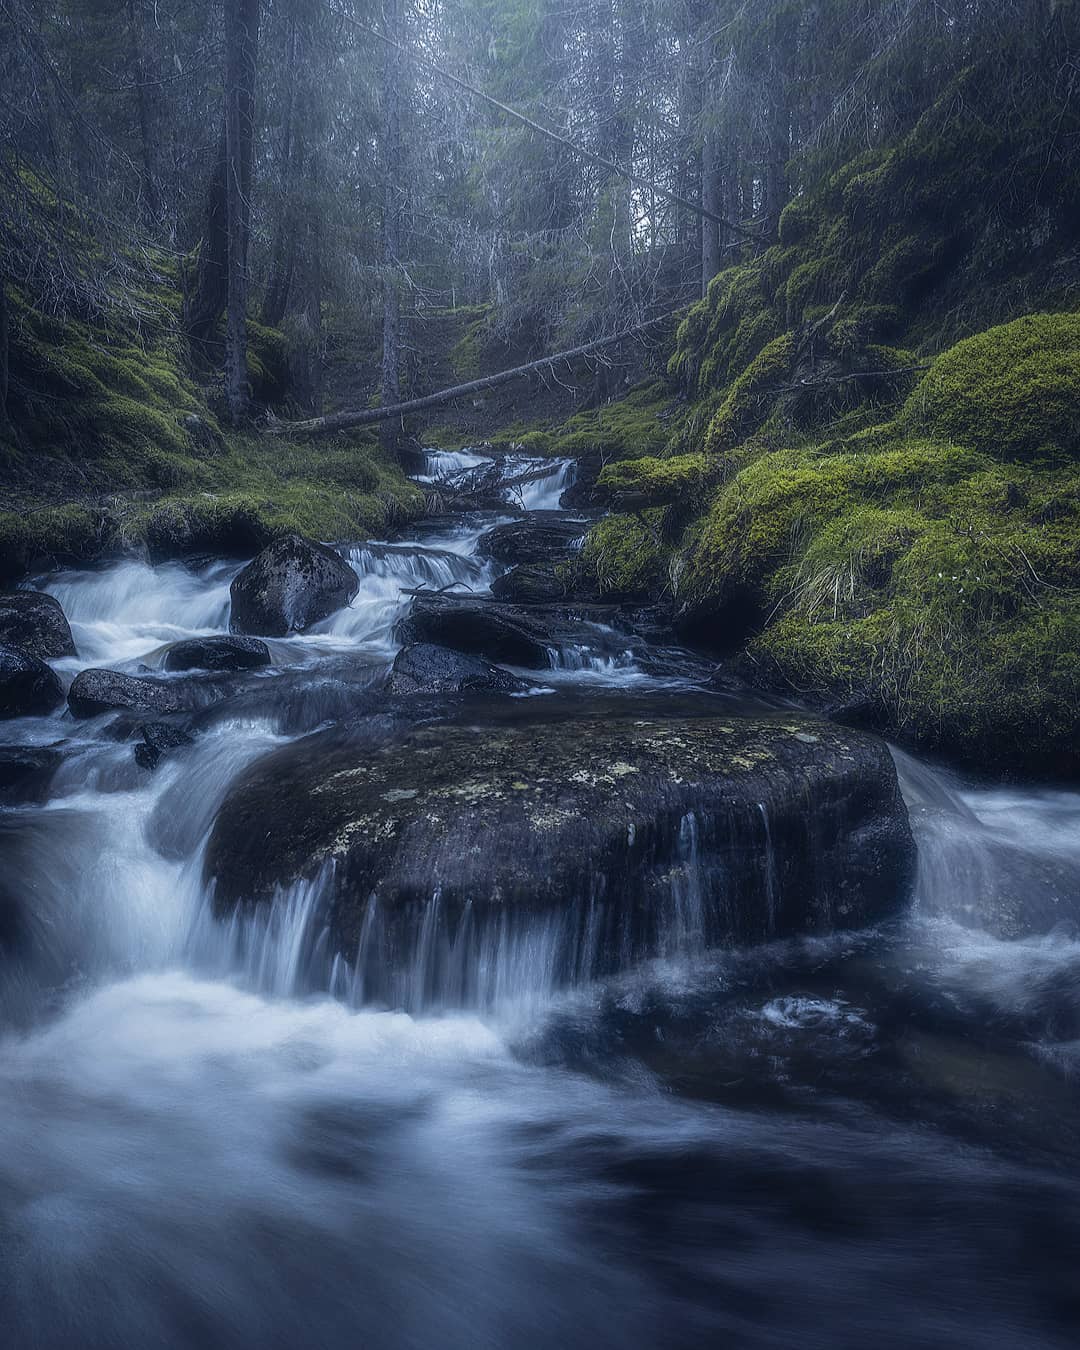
[863,481]
[113,443]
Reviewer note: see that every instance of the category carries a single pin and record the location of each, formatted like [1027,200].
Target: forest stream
[219,1132]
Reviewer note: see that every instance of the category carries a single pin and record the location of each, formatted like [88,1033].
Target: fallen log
[360,417]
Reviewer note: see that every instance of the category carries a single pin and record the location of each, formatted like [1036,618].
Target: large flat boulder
[35,622]
[28,687]
[290,585]
[603,840]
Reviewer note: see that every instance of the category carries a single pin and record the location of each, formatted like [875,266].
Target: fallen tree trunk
[361,417]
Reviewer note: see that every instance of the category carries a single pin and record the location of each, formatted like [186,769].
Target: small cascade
[443,465]
[544,491]
[124,612]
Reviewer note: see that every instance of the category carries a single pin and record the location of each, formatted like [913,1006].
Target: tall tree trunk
[4,422]
[712,200]
[390,381]
[283,251]
[208,294]
[241,46]
[146,106]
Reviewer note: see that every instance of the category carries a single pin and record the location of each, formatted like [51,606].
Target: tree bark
[711,199]
[390,376]
[4,422]
[207,297]
[241,44]
[345,421]
[147,111]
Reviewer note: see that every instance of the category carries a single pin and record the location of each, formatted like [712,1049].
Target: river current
[210,1137]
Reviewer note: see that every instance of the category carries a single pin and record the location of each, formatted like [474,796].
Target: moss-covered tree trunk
[4,422]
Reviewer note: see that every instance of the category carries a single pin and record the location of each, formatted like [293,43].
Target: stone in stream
[35,622]
[96,691]
[158,738]
[608,840]
[424,668]
[220,653]
[544,584]
[479,627]
[26,772]
[289,586]
[28,687]
[546,539]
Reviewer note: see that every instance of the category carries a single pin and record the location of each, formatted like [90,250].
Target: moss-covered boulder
[607,839]
[1012,391]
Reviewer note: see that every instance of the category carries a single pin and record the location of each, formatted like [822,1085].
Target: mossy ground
[114,443]
[870,490]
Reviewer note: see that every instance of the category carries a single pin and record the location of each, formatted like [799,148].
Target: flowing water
[210,1135]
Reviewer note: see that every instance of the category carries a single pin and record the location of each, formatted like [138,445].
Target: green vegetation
[113,422]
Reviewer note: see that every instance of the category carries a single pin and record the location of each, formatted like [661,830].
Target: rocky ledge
[631,837]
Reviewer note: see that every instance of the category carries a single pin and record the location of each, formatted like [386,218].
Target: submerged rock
[26,772]
[289,586]
[424,668]
[225,652]
[618,838]
[35,622]
[532,540]
[28,687]
[158,738]
[96,691]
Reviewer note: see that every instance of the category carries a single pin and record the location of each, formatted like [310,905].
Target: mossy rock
[1012,391]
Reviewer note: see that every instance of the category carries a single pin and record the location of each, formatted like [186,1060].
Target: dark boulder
[544,584]
[221,653]
[533,540]
[291,585]
[426,669]
[445,848]
[479,627]
[28,687]
[26,772]
[96,691]
[158,738]
[35,622]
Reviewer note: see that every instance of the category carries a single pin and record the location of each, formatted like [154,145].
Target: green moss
[747,402]
[656,482]
[1012,391]
[626,553]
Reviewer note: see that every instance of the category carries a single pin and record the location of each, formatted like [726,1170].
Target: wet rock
[621,838]
[218,653]
[496,632]
[291,585]
[532,540]
[426,669]
[35,622]
[543,584]
[26,772]
[158,738]
[28,687]
[96,691]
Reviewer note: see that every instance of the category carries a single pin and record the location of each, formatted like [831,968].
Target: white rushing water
[215,1134]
